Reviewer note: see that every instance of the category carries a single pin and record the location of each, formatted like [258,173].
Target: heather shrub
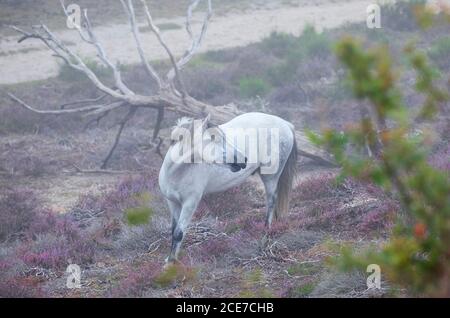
[253,226]
[323,202]
[230,203]
[216,247]
[18,210]
[315,188]
[20,287]
[58,247]
[208,83]
[136,280]
[13,282]
[131,192]
[47,240]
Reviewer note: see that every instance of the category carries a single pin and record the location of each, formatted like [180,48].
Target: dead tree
[171,95]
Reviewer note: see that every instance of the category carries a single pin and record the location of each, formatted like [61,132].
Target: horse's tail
[286,180]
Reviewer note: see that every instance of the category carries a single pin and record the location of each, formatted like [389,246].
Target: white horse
[184,179]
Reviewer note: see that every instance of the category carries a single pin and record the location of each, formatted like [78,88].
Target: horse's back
[257,120]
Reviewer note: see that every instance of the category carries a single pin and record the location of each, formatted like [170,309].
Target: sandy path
[31,61]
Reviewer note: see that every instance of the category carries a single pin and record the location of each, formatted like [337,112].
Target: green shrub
[253,285]
[175,274]
[303,269]
[279,44]
[138,216]
[252,87]
[439,52]
[141,214]
[314,44]
[417,254]
[304,290]
[293,51]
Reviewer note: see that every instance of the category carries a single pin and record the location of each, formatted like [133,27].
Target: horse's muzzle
[235,166]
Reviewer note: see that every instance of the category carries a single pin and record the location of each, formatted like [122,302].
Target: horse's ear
[206,122]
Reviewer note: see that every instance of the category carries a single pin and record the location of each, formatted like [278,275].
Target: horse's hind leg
[270,185]
[179,231]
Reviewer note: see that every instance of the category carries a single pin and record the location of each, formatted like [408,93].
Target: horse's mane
[184,121]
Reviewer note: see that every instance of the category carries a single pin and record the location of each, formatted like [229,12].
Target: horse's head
[219,149]
[208,142]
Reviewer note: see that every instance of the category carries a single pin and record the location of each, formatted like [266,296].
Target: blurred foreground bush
[418,254]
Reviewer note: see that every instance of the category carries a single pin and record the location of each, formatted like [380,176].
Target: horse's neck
[186,156]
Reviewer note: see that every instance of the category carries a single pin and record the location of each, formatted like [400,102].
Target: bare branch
[85,101]
[55,112]
[158,122]
[127,118]
[91,38]
[196,42]
[135,30]
[94,171]
[96,120]
[106,108]
[157,32]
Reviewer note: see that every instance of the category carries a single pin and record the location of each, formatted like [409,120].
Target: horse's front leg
[179,229]
[175,210]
